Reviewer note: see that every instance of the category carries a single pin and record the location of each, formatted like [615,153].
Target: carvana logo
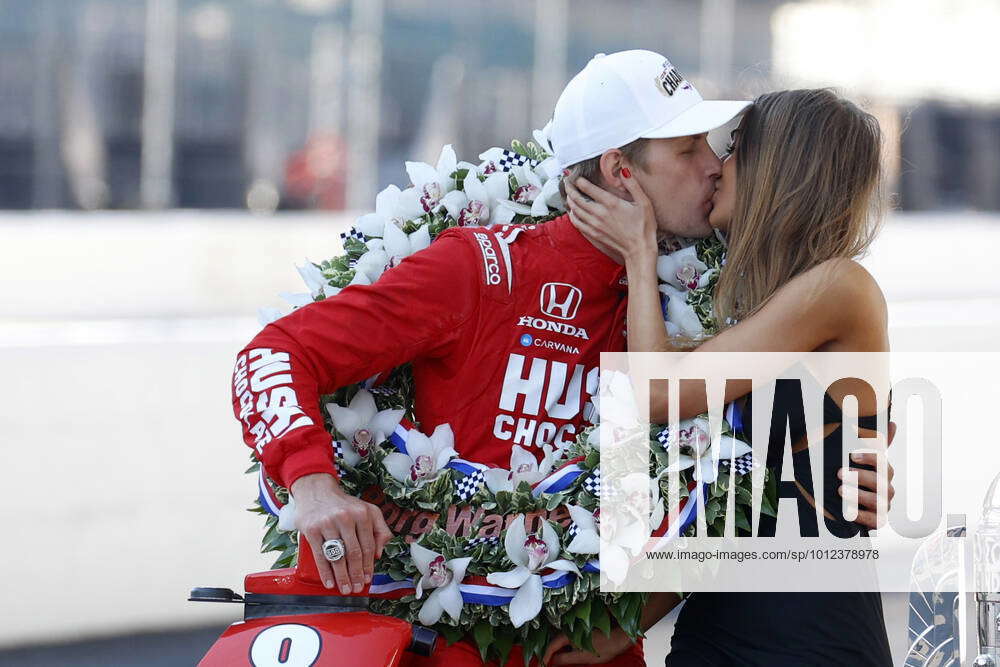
[527,340]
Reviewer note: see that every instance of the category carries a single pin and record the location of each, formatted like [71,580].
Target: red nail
[626,173]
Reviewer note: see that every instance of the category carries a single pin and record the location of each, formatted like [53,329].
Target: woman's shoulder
[842,280]
[850,277]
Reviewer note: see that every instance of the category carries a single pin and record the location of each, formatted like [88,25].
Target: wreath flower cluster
[525,566]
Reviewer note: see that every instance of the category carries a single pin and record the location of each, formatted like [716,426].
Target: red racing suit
[503,326]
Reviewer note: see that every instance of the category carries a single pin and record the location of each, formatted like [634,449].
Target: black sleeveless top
[788,629]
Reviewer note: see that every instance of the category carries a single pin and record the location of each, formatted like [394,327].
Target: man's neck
[613,254]
[616,256]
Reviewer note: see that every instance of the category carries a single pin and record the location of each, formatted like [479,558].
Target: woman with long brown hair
[798,199]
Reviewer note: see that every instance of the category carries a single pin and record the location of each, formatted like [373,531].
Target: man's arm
[415,310]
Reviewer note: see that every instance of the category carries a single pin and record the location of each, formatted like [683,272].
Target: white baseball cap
[625,96]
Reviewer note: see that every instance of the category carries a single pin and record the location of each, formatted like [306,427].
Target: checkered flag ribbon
[352,233]
[380,384]
[467,486]
[593,482]
[338,454]
[476,541]
[384,389]
[663,436]
[573,530]
[741,465]
[509,159]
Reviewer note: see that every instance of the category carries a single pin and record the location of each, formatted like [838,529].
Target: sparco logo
[490,260]
[549,325]
[560,300]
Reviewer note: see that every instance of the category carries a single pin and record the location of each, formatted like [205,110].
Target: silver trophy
[987,562]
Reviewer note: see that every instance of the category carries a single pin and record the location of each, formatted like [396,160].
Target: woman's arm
[607,648]
[813,310]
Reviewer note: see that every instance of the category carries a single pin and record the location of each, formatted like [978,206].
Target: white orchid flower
[624,533]
[617,405]
[695,443]
[433,183]
[530,196]
[681,316]
[490,160]
[530,554]
[442,576]
[549,169]
[479,204]
[314,279]
[587,539]
[360,278]
[542,138]
[296,300]
[683,270]
[267,314]
[524,467]
[550,190]
[391,205]
[362,424]
[399,245]
[372,264]
[425,457]
[286,516]
[388,251]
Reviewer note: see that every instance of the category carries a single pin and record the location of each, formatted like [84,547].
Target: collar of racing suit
[572,243]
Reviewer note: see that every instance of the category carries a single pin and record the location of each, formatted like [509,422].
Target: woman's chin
[719,222]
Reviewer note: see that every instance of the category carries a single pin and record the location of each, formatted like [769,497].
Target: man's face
[679,179]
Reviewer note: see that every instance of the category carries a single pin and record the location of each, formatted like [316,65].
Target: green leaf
[450,633]
[600,618]
[712,509]
[503,643]
[741,520]
[483,634]
[583,613]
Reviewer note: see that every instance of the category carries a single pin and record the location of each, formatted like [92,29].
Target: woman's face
[724,199]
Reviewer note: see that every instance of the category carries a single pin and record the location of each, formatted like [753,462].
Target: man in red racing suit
[504,327]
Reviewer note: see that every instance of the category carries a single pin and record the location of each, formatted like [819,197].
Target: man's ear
[612,162]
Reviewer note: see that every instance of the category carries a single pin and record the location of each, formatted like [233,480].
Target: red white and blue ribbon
[266,496]
[686,513]
[475,589]
[561,479]
[735,417]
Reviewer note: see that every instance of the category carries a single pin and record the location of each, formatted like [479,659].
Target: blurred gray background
[165,163]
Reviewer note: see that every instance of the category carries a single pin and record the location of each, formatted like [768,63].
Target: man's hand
[324,512]
[607,648]
[873,503]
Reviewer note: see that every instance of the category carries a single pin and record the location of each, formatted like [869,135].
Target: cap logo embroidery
[668,80]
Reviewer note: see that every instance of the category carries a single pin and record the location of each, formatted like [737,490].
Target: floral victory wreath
[503,557]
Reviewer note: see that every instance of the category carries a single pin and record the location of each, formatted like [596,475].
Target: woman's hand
[625,227]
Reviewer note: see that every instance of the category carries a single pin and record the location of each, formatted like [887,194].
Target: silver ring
[333,550]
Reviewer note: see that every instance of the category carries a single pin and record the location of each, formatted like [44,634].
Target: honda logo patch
[560,300]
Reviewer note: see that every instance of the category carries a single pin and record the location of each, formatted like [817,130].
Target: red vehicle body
[291,620]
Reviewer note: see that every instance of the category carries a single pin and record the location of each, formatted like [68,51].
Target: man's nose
[713,166]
